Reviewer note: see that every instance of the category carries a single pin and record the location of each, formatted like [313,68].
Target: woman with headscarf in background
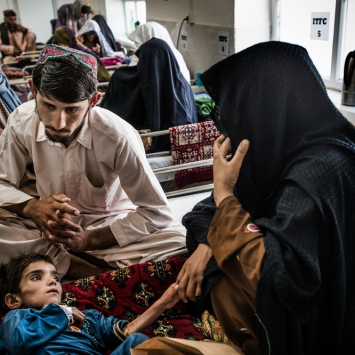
[64,36]
[8,100]
[274,245]
[90,36]
[152,29]
[106,31]
[73,15]
[153,94]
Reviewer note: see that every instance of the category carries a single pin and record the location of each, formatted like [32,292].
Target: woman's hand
[191,275]
[225,167]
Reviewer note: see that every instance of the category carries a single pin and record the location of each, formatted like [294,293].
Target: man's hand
[191,275]
[78,241]
[78,317]
[170,297]
[21,28]
[48,215]
[226,168]
[86,240]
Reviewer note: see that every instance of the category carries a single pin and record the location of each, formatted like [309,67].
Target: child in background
[36,322]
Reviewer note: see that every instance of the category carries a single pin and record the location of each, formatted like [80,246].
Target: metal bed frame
[173,168]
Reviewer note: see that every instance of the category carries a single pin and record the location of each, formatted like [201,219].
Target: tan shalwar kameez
[105,173]
[18,43]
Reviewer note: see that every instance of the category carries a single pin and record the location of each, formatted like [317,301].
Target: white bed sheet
[183,204]
[161,161]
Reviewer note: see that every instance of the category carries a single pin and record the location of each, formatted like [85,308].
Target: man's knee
[31,41]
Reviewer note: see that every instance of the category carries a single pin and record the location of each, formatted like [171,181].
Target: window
[348,30]
[292,23]
[134,11]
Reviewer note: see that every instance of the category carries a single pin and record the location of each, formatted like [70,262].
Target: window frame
[339,18]
[124,9]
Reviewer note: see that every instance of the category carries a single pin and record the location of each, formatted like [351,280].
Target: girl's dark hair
[64,79]
[11,274]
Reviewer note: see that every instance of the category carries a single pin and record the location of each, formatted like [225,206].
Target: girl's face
[91,37]
[40,286]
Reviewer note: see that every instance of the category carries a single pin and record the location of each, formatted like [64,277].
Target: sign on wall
[223,42]
[183,40]
[320,25]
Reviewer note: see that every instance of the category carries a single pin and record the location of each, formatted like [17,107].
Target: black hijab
[106,31]
[154,94]
[273,95]
[298,183]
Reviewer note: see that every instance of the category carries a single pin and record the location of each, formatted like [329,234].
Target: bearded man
[14,38]
[99,198]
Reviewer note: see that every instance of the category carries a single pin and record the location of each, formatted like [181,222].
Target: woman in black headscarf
[153,94]
[284,285]
[106,31]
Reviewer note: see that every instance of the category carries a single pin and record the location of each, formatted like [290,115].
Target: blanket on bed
[127,293]
[189,143]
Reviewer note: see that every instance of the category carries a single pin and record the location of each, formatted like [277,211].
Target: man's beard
[11,28]
[60,139]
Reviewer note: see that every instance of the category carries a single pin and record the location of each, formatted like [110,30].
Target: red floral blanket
[191,143]
[127,293]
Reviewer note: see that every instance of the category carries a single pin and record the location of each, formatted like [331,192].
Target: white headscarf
[91,25]
[149,30]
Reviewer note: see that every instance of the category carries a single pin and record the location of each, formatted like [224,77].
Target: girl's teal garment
[45,332]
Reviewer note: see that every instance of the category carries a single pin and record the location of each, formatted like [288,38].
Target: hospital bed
[181,200]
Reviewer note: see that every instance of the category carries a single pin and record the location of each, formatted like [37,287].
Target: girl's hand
[225,167]
[78,317]
[97,49]
[170,297]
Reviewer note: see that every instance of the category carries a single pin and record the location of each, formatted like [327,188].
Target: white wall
[207,12]
[248,22]
[252,22]
[29,12]
[115,17]
[210,16]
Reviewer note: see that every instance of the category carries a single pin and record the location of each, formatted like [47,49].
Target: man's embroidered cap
[52,51]
[6,12]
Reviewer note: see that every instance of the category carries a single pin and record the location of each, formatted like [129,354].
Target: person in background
[36,322]
[152,29]
[73,15]
[14,38]
[64,36]
[90,36]
[273,247]
[106,31]
[153,94]
[8,100]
